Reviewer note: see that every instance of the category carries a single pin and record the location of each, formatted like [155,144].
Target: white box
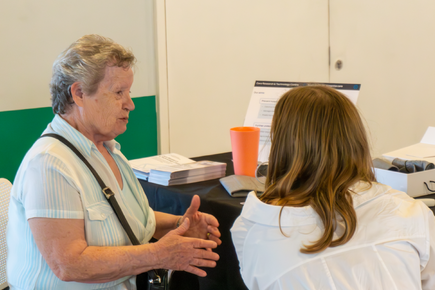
[412,183]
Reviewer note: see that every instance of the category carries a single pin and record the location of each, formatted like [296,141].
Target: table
[216,201]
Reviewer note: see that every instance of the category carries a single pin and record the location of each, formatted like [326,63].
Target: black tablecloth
[216,201]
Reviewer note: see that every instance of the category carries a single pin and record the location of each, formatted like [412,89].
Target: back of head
[85,61]
[319,150]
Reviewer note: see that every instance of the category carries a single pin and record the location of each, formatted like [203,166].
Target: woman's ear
[77,94]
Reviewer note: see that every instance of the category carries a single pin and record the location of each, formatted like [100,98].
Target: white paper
[420,151]
[153,162]
[188,179]
[182,170]
[429,136]
[425,150]
[264,97]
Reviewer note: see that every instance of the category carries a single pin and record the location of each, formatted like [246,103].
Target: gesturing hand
[202,225]
[176,252]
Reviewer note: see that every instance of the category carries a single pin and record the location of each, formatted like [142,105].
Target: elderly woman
[62,233]
[323,222]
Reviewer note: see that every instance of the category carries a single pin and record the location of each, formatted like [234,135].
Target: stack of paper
[142,166]
[172,169]
[187,173]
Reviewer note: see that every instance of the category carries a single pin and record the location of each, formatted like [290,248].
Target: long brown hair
[319,150]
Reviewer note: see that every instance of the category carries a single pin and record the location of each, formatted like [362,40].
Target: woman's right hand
[176,252]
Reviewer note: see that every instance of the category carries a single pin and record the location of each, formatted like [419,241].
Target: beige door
[211,52]
[389,47]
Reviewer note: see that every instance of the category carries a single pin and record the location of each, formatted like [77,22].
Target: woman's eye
[122,93]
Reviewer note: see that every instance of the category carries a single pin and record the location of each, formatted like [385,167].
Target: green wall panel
[21,128]
[140,139]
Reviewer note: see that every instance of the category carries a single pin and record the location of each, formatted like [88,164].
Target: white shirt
[392,248]
[52,182]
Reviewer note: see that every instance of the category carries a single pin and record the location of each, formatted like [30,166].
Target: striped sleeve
[47,192]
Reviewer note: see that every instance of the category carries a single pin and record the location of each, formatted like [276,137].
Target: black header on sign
[355,87]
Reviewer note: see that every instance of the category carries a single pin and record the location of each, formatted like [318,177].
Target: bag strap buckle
[109,192]
[156,280]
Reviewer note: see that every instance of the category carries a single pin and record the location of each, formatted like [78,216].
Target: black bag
[156,280]
[151,280]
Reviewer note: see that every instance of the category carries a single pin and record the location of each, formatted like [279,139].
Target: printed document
[264,98]
[142,166]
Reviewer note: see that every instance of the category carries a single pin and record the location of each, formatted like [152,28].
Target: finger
[213,231]
[215,239]
[195,271]
[206,255]
[182,228]
[203,263]
[201,244]
[211,220]
[194,206]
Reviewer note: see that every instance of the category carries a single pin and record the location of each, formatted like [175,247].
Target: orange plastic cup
[244,143]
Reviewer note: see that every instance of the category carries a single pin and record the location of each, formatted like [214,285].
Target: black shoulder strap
[108,193]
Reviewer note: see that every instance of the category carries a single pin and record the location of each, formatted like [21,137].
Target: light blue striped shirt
[52,182]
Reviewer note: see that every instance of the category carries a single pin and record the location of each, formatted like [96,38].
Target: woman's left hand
[202,225]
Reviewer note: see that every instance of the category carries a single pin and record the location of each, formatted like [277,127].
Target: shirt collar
[266,214]
[365,193]
[112,145]
[62,127]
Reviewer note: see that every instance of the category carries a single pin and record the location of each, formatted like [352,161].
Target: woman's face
[105,113]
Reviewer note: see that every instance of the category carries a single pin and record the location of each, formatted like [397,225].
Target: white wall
[214,52]
[33,33]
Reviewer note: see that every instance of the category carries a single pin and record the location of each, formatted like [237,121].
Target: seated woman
[64,230]
[323,222]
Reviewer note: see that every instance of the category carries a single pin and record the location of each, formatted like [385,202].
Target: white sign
[262,105]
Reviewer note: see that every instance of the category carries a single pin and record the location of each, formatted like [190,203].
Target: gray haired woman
[62,233]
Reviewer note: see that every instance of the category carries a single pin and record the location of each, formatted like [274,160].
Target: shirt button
[103,215]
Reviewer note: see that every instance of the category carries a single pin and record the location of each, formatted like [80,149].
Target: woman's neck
[74,121]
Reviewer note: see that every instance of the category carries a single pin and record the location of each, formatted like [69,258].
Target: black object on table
[216,201]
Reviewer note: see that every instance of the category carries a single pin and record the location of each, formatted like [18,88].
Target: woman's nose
[129,104]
